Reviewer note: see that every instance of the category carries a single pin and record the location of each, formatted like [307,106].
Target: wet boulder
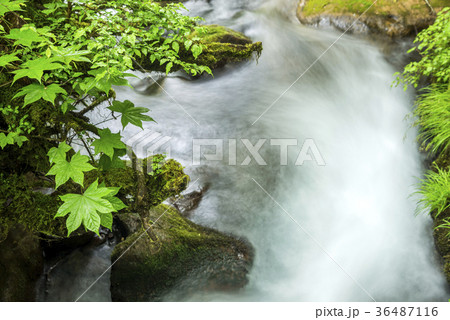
[392,18]
[167,249]
[186,202]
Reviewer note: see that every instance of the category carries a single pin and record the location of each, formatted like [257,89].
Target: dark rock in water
[127,223]
[21,263]
[187,202]
[55,245]
[168,249]
[149,85]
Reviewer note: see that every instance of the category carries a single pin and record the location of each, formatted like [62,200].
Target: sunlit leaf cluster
[66,57]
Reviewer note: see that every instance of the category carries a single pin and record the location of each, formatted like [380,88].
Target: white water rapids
[362,237]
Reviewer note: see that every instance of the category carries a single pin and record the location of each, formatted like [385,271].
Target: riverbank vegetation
[433,106]
[60,60]
[432,111]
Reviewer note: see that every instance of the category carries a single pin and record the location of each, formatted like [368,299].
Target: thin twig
[430,7]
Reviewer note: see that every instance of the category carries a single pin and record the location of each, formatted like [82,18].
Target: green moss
[168,181]
[215,33]
[381,7]
[34,210]
[222,45]
[167,247]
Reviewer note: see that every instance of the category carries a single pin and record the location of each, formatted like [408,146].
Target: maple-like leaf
[90,208]
[58,154]
[107,142]
[34,69]
[7,58]
[64,170]
[130,113]
[115,202]
[10,6]
[11,138]
[24,36]
[69,54]
[34,92]
[5,140]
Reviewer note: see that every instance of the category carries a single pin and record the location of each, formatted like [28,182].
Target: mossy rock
[215,33]
[392,18]
[168,249]
[222,45]
[21,264]
[19,203]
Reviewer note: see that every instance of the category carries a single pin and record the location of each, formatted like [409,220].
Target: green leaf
[5,139]
[7,6]
[34,92]
[107,142]
[130,113]
[85,208]
[69,54]
[64,170]
[196,50]
[12,138]
[175,46]
[168,67]
[24,36]
[106,219]
[68,104]
[106,163]
[7,58]
[34,69]
[79,33]
[18,138]
[58,154]
[116,203]
[188,44]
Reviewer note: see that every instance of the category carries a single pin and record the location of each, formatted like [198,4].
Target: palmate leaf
[11,138]
[5,140]
[69,54]
[34,92]
[58,154]
[107,142]
[24,36]
[130,113]
[7,6]
[7,58]
[64,170]
[90,208]
[116,202]
[34,69]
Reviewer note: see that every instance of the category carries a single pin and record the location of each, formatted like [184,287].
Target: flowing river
[343,231]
